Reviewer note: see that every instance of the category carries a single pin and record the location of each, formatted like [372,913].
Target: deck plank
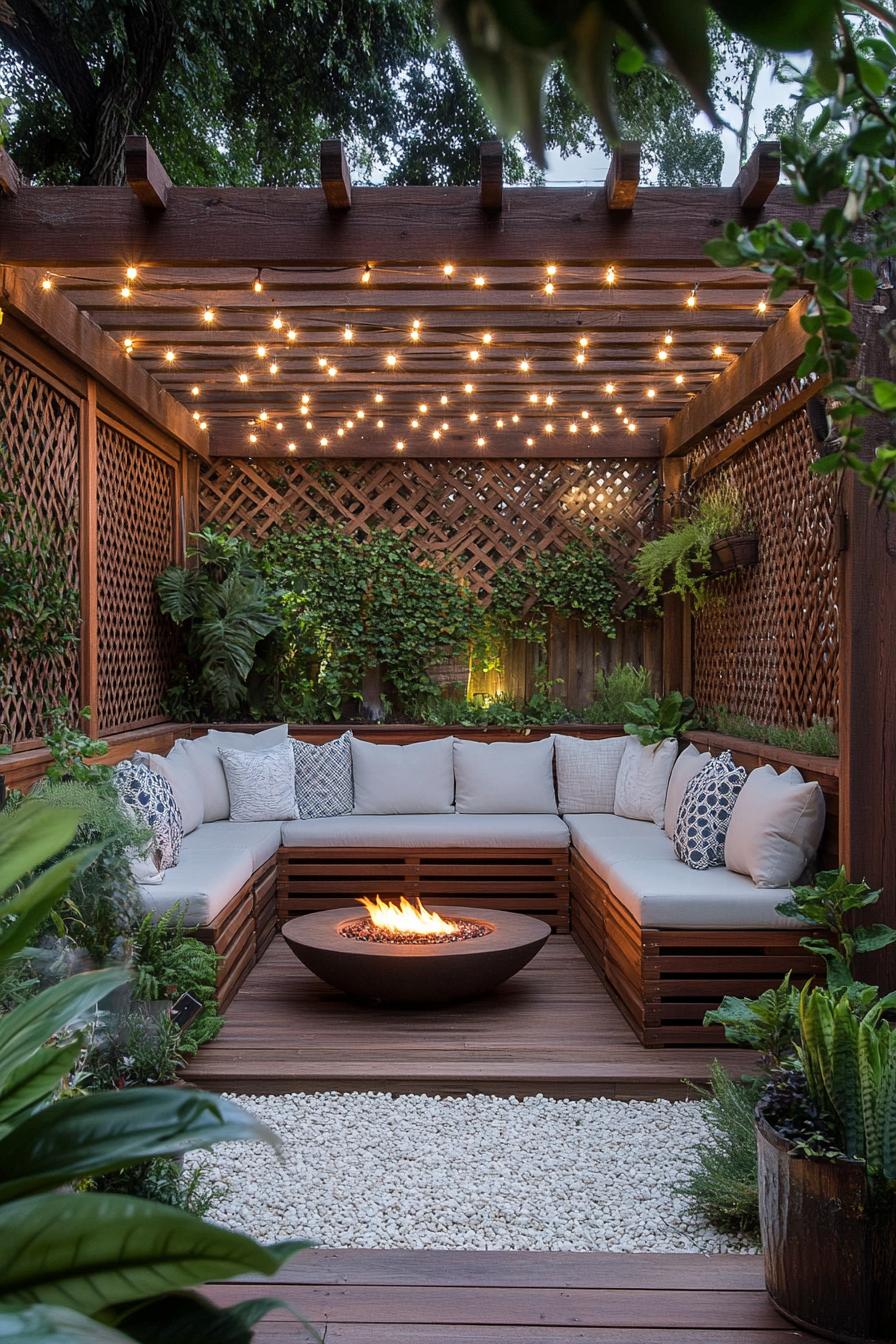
[552,1029]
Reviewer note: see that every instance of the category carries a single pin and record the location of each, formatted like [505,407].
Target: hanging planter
[734,552]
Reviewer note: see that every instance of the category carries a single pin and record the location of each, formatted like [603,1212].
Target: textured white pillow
[261,784]
[690,763]
[586,772]
[643,779]
[775,827]
[396,781]
[202,753]
[177,768]
[504,777]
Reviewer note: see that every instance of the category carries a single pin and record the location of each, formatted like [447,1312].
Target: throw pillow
[643,779]
[690,763]
[150,799]
[324,777]
[203,756]
[392,780]
[505,777]
[586,772]
[178,770]
[261,784]
[776,827]
[705,813]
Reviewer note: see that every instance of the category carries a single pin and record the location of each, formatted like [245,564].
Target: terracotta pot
[728,553]
[829,1244]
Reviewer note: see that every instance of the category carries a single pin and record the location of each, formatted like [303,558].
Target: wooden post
[335,177]
[677,634]
[88,565]
[491,175]
[145,174]
[868,671]
[623,175]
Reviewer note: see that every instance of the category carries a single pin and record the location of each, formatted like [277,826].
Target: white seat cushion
[213,866]
[662,893]
[260,838]
[603,839]
[463,830]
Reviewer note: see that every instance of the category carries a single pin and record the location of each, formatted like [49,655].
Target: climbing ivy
[575,582]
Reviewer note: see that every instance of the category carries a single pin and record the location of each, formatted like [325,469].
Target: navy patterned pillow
[324,786]
[706,807]
[150,798]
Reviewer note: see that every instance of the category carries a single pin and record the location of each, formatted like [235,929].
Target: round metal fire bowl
[423,973]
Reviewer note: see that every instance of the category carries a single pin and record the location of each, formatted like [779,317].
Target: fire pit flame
[406,918]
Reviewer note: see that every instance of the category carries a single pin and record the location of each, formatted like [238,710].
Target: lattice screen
[480,514]
[39,465]
[771,649]
[136,502]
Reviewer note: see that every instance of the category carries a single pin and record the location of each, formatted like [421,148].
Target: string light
[359,413]
[515,419]
[340,433]
[479,281]
[585,414]
[378,397]
[762,305]
[391,360]
[549,287]
[448,270]
[170,356]
[691,300]
[443,399]
[243,378]
[194,390]
[718,351]
[379,424]
[662,355]
[277,322]
[332,371]
[274,369]
[423,408]
[291,334]
[131,273]
[583,342]
[415,423]
[128,343]
[632,427]
[279,425]
[551,269]
[573,427]
[667,339]
[261,351]
[549,428]
[322,361]
[208,315]
[347,333]
[366,273]
[324,441]
[524,366]
[480,442]
[256,283]
[196,416]
[125,291]
[253,438]
[486,338]
[203,424]
[263,416]
[609,388]
[529,441]
[473,417]
[437,434]
[469,389]
[309,424]
[473,356]
[650,393]
[291,447]
[399,445]
[679,378]
[610,275]
[499,424]
[594,427]
[581,357]
[47,282]
[549,399]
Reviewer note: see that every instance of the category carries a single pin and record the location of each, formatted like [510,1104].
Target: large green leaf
[185,1318]
[29,1026]
[35,1081]
[30,836]
[29,907]
[105,1131]
[56,1325]
[89,1252]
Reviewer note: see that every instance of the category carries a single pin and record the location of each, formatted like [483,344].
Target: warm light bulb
[279,424]
[196,416]
[448,269]
[309,424]
[486,338]
[378,397]
[291,334]
[667,339]
[679,378]
[662,355]
[524,366]
[718,351]
[423,408]
[360,413]
[500,424]
[437,434]
[479,281]
[584,414]
[533,398]
[473,356]
[551,269]
[573,427]
[277,322]
[391,360]
[445,426]
[414,334]
[324,441]
[443,399]
[349,424]
[194,390]
[253,438]
[348,334]
[610,275]
[583,341]
[399,445]
[415,424]
[650,393]
[594,427]
[244,377]
[208,315]
[691,300]
[340,433]
[632,427]
[46,283]
[125,292]
[170,356]
[549,428]
[379,424]
[618,410]
[469,389]
[515,419]
[609,388]
[332,371]
[762,306]
[263,415]
[128,342]
[580,357]
[131,272]
[473,417]
[203,424]
[274,369]
[365,275]
[529,441]
[291,447]
[256,283]
[549,399]
[260,351]
[549,287]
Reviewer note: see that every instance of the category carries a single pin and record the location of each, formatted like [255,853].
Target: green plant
[169,962]
[828,904]
[768,1024]
[500,711]
[140,1049]
[69,748]
[679,560]
[40,609]
[654,720]
[576,582]
[819,739]
[164,1180]
[723,1183]
[615,690]
[226,608]
[87,1265]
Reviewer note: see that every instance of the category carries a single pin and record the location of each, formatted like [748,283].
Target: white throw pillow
[586,772]
[690,763]
[643,779]
[397,781]
[775,827]
[505,777]
[203,756]
[261,784]
[177,768]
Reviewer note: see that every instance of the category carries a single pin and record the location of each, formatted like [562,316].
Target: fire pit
[409,954]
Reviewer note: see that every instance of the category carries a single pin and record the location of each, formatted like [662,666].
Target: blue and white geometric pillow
[705,812]
[324,785]
[149,797]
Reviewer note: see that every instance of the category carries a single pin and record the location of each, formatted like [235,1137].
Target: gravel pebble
[369,1169]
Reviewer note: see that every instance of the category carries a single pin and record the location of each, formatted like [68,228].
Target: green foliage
[679,560]
[169,962]
[615,690]
[69,748]
[654,720]
[142,1048]
[817,740]
[500,711]
[768,1024]
[723,1185]
[575,582]
[164,1180]
[828,904]
[108,1259]
[40,610]
[226,609]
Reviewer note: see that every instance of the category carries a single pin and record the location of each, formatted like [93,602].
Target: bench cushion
[260,838]
[213,866]
[603,838]
[469,831]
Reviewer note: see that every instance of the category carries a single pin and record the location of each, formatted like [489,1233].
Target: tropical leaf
[35,1081]
[28,909]
[30,836]
[186,1318]
[56,1325]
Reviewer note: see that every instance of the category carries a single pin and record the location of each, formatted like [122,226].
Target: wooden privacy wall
[770,647]
[136,539]
[39,467]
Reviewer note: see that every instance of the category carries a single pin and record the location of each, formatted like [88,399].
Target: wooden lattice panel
[136,501]
[39,465]
[770,647]
[477,514]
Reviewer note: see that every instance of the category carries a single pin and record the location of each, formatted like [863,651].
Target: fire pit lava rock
[493,945]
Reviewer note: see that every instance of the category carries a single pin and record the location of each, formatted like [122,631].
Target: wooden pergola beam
[228,443]
[623,175]
[759,176]
[61,227]
[10,177]
[335,177]
[145,175]
[772,357]
[491,175]
[63,326]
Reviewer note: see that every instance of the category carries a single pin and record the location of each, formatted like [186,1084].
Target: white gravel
[476,1172]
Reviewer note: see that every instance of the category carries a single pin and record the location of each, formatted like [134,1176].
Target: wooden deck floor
[492,1297]
[552,1029]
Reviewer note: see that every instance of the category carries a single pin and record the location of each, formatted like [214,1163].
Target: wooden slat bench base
[530,881]
[243,930]
[664,980]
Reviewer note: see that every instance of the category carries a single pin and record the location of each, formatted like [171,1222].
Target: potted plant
[712,540]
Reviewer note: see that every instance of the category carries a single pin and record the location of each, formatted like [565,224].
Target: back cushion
[504,777]
[775,827]
[393,780]
[586,772]
[203,757]
[643,779]
[177,768]
[690,763]
[324,777]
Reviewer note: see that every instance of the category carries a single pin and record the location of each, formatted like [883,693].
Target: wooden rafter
[623,176]
[144,172]
[491,175]
[759,176]
[335,177]
[498,445]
